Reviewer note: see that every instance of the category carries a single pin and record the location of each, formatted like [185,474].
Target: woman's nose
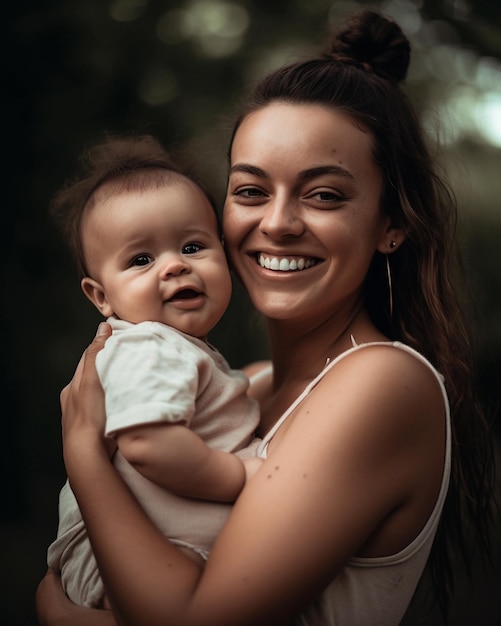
[174,265]
[282,219]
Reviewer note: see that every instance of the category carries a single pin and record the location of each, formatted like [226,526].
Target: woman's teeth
[285,265]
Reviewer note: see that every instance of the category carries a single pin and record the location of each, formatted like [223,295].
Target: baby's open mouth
[185,294]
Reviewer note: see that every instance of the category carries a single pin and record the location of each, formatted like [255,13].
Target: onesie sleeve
[148,377]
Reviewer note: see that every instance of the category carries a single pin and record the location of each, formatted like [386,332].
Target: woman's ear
[391,239]
[97,295]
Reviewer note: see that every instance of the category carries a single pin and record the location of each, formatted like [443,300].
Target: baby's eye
[192,248]
[141,259]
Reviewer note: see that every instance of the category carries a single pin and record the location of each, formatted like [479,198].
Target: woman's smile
[285,264]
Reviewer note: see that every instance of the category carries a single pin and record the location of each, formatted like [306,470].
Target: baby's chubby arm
[175,458]
[150,377]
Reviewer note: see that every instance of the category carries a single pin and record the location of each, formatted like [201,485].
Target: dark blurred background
[175,68]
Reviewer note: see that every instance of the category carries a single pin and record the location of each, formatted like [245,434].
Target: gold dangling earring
[388,275]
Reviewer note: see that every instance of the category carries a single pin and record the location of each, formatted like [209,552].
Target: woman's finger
[103,332]
[89,356]
[82,401]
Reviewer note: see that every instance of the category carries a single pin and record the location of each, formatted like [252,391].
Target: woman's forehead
[302,136]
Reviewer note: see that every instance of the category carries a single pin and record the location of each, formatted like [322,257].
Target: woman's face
[302,216]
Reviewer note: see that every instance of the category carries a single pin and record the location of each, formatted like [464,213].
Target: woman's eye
[141,259]
[249,192]
[324,196]
[192,248]
[327,195]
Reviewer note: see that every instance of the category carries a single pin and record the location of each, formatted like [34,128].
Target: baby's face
[155,255]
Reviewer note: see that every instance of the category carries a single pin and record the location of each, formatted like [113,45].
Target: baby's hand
[251,466]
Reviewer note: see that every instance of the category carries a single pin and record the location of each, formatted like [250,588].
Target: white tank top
[373,591]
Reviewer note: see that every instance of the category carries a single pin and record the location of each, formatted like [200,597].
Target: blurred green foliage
[75,70]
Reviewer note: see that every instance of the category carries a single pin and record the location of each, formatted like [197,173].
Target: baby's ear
[97,295]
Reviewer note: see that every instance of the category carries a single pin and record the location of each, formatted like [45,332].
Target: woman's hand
[82,400]
[82,405]
[53,607]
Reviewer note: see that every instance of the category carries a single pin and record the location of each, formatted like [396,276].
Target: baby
[148,244]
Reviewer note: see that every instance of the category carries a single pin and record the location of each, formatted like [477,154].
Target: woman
[342,235]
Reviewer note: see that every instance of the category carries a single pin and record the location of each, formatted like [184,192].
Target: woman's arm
[350,458]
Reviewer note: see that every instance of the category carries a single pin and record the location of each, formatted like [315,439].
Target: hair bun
[373,42]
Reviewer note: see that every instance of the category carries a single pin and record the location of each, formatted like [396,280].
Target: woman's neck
[300,352]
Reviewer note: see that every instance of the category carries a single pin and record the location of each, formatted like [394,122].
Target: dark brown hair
[119,164]
[359,74]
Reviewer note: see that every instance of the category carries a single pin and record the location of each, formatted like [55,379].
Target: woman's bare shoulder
[386,382]
[389,369]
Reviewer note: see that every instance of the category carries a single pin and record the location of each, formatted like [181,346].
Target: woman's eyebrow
[313,172]
[248,169]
